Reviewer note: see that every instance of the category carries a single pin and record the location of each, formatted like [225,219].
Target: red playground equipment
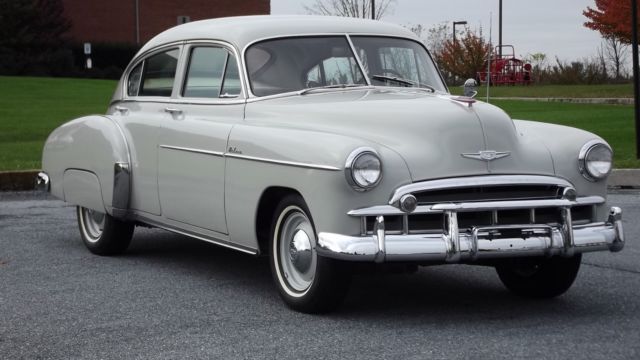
[505,68]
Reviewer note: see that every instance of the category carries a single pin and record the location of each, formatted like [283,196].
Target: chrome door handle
[173,111]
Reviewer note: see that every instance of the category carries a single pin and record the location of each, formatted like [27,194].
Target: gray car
[323,141]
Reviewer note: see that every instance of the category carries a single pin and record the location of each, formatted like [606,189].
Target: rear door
[149,88]
[193,139]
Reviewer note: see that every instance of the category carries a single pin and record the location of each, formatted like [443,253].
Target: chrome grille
[435,222]
[489,193]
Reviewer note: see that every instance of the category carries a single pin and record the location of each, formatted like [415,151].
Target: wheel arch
[267,204]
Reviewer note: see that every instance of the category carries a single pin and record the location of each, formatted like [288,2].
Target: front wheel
[306,282]
[539,277]
[102,234]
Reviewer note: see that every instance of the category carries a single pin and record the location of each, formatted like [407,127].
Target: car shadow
[459,293]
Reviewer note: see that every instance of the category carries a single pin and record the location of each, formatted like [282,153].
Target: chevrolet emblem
[486,155]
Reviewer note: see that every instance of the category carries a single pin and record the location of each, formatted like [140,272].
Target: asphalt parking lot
[173,297]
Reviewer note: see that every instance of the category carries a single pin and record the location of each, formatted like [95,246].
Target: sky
[552,27]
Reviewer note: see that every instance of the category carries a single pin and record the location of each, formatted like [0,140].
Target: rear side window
[158,74]
[212,73]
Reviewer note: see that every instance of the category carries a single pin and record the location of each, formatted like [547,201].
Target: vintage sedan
[321,142]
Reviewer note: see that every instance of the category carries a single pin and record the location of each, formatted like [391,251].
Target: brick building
[136,21]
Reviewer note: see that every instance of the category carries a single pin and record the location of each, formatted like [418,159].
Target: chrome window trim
[240,99]
[143,57]
[251,96]
[485,180]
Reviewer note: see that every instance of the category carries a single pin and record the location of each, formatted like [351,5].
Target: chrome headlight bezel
[587,150]
[351,168]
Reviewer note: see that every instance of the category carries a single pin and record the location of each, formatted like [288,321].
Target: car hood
[436,135]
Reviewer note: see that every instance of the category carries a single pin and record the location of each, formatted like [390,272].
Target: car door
[193,139]
[149,88]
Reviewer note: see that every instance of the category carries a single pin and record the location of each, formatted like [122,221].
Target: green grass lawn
[614,123]
[30,108]
[556,91]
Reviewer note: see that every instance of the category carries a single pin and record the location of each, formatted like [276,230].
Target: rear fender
[88,162]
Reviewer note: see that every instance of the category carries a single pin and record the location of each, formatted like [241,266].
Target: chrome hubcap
[93,224]
[300,251]
[296,254]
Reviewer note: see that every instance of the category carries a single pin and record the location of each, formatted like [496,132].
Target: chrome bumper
[454,246]
[42,182]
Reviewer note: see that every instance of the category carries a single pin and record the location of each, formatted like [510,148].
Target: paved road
[173,297]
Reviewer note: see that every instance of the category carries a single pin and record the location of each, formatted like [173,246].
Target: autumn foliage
[464,57]
[612,18]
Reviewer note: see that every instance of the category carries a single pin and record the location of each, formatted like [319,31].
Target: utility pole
[636,80]
[500,30]
[373,9]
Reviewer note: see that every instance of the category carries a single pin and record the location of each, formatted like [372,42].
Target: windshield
[295,64]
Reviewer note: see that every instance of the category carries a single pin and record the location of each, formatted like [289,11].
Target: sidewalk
[25,180]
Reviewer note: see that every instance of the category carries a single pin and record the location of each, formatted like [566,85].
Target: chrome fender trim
[121,189]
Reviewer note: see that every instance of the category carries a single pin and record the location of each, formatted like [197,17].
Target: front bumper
[453,245]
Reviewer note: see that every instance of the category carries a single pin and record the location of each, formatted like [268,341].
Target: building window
[183,19]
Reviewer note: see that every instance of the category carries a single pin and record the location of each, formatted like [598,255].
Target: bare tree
[349,8]
[615,53]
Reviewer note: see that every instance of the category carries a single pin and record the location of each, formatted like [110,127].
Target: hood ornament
[486,155]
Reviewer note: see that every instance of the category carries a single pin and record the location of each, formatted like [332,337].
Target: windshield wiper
[402,81]
[337,86]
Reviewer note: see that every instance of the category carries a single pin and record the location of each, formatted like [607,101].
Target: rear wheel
[102,234]
[306,282]
[539,277]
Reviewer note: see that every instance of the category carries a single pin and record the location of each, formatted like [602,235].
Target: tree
[349,8]
[466,56]
[615,53]
[611,18]
[31,36]
[539,64]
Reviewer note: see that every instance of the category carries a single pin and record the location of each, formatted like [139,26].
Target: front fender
[564,144]
[324,188]
[91,150]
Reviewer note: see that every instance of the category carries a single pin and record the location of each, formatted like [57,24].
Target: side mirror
[470,88]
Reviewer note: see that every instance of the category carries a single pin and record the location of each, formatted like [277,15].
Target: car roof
[243,30]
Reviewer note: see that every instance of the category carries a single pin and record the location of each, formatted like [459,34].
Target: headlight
[595,160]
[363,169]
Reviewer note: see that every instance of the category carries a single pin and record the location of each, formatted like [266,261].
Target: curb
[18,180]
[25,180]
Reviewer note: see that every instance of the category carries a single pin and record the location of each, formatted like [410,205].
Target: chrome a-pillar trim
[121,189]
[43,183]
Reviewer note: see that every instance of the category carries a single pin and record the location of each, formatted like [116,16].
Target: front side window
[158,74]
[292,64]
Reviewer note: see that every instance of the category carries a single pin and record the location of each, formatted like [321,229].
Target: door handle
[173,111]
